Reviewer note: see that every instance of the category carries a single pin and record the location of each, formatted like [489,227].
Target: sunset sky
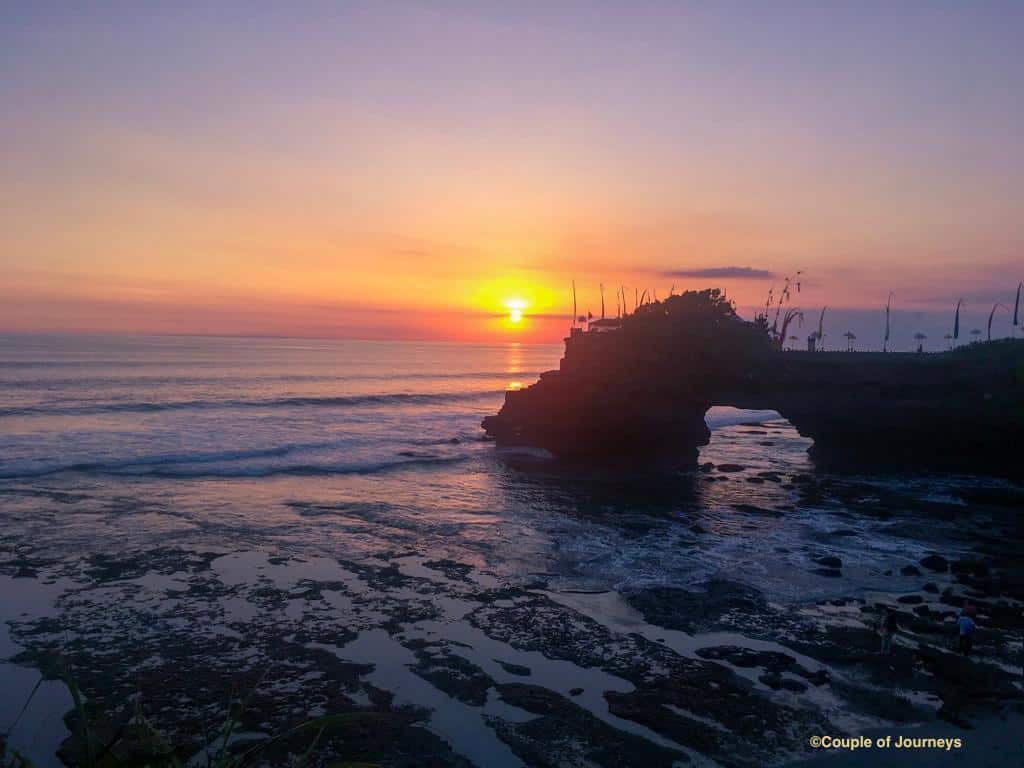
[406,170]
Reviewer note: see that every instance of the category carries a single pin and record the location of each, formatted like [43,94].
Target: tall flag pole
[888,304]
[573,303]
[991,314]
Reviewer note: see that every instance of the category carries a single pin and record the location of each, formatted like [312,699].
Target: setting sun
[515,309]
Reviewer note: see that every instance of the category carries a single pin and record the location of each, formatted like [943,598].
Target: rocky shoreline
[454,664]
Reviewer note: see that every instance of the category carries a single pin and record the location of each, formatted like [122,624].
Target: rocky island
[640,387]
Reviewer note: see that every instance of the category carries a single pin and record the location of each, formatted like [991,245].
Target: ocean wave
[226,463]
[727,416]
[172,470]
[337,401]
[305,470]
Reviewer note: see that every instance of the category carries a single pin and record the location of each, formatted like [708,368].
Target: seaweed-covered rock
[677,608]
[564,733]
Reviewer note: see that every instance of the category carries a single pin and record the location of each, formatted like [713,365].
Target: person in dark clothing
[966,626]
[886,630]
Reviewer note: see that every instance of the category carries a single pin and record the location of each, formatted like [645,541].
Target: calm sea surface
[297,461]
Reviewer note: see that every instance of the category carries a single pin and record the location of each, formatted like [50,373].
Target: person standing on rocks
[966,626]
[886,629]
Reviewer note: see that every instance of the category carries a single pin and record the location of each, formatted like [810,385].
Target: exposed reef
[642,389]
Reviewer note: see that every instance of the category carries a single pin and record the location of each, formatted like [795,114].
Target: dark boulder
[936,563]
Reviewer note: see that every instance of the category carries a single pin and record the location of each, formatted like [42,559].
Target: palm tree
[949,340]
[850,338]
[975,332]
[919,338]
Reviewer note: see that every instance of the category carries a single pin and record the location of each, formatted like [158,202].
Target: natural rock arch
[644,389]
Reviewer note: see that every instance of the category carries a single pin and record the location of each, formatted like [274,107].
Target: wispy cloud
[745,273]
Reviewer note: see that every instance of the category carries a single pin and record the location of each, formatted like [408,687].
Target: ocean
[195,508]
